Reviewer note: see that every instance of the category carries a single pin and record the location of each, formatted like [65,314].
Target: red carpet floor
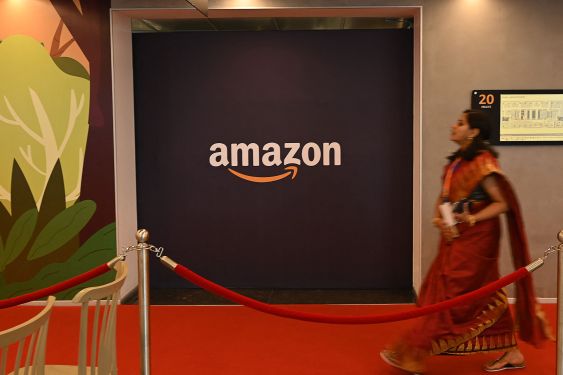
[209,340]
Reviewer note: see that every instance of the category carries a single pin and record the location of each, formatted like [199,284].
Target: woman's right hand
[446,230]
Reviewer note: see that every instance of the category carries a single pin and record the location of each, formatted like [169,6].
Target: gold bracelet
[471,220]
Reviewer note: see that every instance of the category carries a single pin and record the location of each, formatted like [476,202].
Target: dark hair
[476,120]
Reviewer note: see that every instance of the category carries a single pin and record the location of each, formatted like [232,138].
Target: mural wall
[57,210]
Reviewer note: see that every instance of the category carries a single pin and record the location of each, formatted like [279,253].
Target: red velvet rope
[54,289]
[362,319]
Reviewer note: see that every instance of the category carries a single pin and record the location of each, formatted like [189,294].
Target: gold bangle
[471,220]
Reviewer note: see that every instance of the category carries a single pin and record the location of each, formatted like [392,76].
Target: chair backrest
[28,340]
[103,325]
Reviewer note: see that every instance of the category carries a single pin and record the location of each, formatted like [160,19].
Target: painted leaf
[22,197]
[1,246]
[101,241]
[5,221]
[71,67]
[54,198]
[19,236]
[98,249]
[62,228]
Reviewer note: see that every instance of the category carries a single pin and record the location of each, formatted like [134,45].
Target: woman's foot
[511,360]
[391,358]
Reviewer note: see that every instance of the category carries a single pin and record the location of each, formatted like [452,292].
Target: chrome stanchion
[559,363]
[143,248]
[144,298]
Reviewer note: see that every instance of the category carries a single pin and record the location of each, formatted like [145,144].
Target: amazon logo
[289,156]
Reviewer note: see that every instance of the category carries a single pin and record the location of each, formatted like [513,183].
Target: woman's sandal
[390,357]
[507,366]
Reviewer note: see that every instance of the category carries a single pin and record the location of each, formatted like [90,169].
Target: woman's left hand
[464,216]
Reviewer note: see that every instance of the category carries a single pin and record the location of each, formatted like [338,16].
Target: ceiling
[268,24]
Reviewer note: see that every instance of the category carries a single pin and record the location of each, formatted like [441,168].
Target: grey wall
[493,44]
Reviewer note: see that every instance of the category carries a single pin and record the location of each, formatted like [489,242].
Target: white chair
[28,340]
[100,338]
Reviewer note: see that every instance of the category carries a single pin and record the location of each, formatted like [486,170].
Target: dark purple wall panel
[334,226]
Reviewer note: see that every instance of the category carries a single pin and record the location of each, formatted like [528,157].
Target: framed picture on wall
[522,117]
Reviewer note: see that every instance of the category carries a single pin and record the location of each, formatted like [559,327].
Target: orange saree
[467,263]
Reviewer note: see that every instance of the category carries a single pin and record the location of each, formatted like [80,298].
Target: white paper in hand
[447,214]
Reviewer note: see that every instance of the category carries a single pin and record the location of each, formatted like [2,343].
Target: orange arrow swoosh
[292,170]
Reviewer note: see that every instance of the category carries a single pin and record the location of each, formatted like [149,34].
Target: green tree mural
[44,112]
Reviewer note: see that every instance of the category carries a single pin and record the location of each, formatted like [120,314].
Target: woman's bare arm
[497,207]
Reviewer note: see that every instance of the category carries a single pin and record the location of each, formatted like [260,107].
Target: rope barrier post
[144,298]
[559,362]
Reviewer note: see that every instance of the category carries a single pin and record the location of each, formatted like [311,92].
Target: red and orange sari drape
[466,264]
